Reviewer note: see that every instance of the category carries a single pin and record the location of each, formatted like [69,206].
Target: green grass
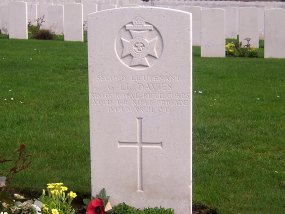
[239,131]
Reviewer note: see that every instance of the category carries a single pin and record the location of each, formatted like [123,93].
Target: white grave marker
[274,42]
[88,8]
[213,33]
[73,22]
[248,26]
[231,22]
[4,16]
[43,14]
[196,14]
[55,19]
[140,83]
[261,22]
[18,20]
[32,13]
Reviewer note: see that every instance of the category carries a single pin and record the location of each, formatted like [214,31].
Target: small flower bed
[236,49]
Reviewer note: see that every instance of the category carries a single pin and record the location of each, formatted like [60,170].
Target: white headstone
[87,9]
[248,26]
[18,20]
[32,13]
[213,33]
[140,98]
[274,41]
[196,14]
[4,16]
[231,22]
[261,22]
[55,19]
[73,22]
[43,14]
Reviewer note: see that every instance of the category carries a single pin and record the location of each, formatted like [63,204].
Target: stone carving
[139,44]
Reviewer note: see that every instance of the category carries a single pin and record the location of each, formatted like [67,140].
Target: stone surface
[73,22]
[32,13]
[43,14]
[248,26]
[87,9]
[18,20]
[140,98]
[55,19]
[260,13]
[105,6]
[4,18]
[274,41]
[213,33]
[231,22]
[196,14]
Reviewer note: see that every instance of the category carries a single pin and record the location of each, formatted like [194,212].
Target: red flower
[96,206]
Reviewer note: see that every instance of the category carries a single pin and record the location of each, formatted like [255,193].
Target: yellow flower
[54,211]
[54,192]
[63,188]
[58,184]
[45,208]
[72,194]
[50,186]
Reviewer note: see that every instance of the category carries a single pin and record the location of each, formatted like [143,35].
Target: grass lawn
[239,123]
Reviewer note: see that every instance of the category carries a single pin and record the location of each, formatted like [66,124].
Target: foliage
[44,35]
[123,208]
[57,200]
[35,31]
[239,50]
[8,202]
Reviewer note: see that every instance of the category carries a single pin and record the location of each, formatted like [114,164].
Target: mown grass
[239,131]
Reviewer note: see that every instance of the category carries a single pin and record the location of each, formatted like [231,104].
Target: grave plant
[35,31]
[236,49]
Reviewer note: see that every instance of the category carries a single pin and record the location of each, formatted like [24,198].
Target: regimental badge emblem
[139,44]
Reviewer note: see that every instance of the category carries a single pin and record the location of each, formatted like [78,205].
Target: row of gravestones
[210,25]
[165,3]
[231,14]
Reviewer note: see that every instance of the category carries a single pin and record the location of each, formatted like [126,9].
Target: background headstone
[32,13]
[4,16]
[196,14]
[43,14]
[213,33]
[140,95]
[73,22]
[231,22]
[274,41]
[248,26]
[18,20]
[55,19]
[260,14]
[87,9]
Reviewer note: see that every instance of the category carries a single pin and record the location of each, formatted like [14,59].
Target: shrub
[44,35]
[35,31]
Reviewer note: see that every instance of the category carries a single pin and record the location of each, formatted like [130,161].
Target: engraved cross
[140,145]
